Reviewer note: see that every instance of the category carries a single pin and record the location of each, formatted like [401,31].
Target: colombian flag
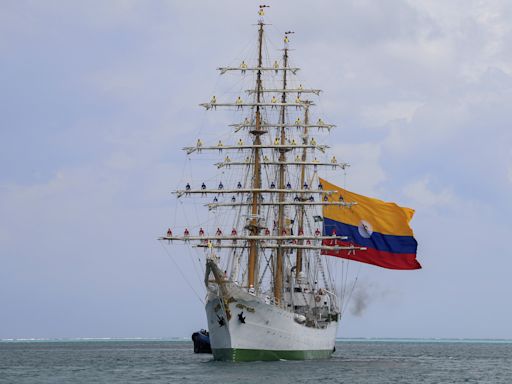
[383,228]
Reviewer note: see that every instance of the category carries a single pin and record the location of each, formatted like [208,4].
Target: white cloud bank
[97,101]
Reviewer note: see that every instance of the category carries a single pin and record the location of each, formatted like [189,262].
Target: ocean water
[159,361]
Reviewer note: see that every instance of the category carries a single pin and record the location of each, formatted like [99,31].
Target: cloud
[421,194]
[98,99]
[509,172]
[365,173]
[381,115]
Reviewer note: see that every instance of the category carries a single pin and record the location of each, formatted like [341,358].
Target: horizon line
[187,338]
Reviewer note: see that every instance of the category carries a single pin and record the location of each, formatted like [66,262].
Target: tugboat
[201,341]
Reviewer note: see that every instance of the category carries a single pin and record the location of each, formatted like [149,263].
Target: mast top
[286,39]
[261,12]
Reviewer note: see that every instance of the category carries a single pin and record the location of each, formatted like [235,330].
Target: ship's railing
[223,70]
[288,90]
[181,192]
[263,104]
[207,238]
[298,163]
[286,246]
[277,203]
[319,127]
[297,125]
[239,147]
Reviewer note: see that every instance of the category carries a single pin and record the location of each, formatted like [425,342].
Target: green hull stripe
[234,354]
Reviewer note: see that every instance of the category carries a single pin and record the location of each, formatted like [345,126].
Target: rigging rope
[181,273]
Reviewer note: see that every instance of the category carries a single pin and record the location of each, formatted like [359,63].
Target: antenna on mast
[286,40]
[261,12]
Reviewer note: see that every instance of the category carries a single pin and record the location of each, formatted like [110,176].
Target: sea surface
[171,361]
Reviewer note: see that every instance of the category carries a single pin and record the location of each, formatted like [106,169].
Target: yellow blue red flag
[381,227]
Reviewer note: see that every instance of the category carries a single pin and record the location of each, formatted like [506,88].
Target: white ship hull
[267,333]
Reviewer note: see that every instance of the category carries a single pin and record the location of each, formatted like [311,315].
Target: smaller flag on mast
[383,228]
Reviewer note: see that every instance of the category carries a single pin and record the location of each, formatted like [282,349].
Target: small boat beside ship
[201,340]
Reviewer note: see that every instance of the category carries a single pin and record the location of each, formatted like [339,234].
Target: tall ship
[279,228]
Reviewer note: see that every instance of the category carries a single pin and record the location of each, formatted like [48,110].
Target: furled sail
[381,227]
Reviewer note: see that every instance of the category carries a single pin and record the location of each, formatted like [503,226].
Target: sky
[98,98]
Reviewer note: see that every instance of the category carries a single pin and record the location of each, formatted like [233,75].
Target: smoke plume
[366,293]
[360,300]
